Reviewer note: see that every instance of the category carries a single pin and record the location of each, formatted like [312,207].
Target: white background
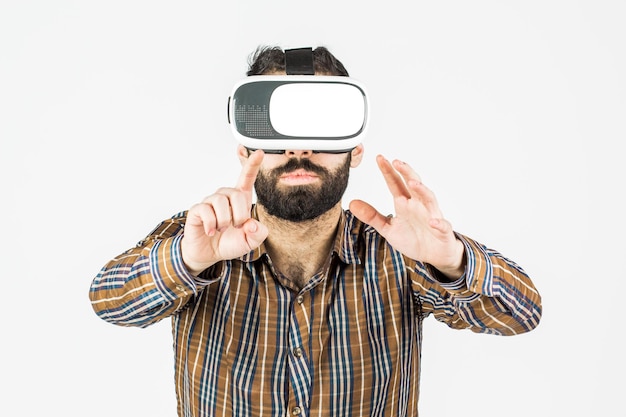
[113,117]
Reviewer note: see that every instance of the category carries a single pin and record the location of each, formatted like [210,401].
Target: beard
[302,202]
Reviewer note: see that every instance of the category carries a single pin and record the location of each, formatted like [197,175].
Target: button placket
[300,374]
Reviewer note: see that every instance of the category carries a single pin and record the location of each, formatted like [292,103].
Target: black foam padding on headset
[299,61]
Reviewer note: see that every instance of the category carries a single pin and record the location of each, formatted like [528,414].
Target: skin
[220,227]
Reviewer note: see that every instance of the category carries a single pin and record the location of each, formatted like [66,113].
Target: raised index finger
[250,170]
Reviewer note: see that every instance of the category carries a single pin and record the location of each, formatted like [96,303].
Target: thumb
[256,232]
[368,214]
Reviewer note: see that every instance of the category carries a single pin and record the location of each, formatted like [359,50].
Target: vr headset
[299,110]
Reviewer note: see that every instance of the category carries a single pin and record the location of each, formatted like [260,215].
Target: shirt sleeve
[149,281]
[494,295]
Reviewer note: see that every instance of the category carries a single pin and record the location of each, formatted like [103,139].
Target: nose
[298,153]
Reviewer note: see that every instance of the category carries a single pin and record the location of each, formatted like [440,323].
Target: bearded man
[293,305]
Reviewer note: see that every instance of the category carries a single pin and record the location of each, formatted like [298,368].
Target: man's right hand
[220,227]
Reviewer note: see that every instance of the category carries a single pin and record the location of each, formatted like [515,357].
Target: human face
[303,185]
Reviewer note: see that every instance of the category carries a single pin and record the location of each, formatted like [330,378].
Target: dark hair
[268,59]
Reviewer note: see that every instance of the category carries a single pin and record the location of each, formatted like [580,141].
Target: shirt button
[297,352]
[300,299]
[296,411]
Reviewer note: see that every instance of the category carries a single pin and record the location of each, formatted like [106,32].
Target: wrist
[188,257]
[456,268]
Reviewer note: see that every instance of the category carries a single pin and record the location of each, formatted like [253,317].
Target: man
[296,306]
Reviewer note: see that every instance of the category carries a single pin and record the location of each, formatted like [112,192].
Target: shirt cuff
[477,278]
[451,286]
[478,267]
[169,272]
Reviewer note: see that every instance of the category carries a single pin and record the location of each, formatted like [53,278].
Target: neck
[300,249]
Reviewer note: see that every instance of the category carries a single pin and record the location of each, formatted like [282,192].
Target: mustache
[302,163]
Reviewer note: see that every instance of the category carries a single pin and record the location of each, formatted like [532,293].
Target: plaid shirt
[247,343]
